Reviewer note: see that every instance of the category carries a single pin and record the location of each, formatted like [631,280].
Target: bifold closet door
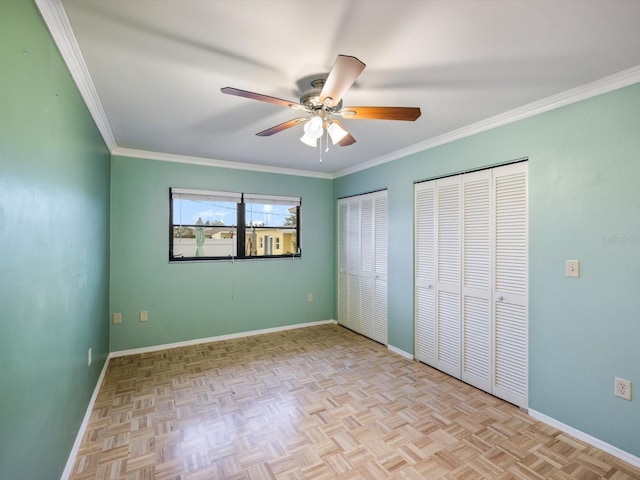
[471,291]
[477,244]
[362,264]
[349,306]
[455,325]
[343,265]
[447,248]
[381,255]
[366,274]
[511,297]
[425,272]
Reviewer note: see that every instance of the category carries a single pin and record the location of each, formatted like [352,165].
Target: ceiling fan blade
[344,72]
[409,114]
[348,139]
[259,96]
[281,127]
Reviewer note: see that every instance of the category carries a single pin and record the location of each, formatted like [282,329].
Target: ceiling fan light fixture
[306,139]
[336,132]
[313,128]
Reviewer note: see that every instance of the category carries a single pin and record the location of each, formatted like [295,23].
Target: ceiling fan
[323,102]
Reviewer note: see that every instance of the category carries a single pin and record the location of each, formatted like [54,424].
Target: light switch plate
[572,268]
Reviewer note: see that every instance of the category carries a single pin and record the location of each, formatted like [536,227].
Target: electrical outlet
[623,388]
[310,297]
[144,316]
[572,268]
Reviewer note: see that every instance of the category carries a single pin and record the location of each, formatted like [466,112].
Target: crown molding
[57,22]
[583,92]
[208,162]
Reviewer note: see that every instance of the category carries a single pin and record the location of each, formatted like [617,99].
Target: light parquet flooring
[314,403]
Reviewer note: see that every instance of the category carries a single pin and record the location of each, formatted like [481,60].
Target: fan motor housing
[311,98]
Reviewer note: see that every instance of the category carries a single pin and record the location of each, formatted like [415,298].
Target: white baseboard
[83,426]
[400,352]
[615,451]
[198,341]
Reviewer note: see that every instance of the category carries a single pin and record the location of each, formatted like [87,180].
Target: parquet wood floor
[314,403]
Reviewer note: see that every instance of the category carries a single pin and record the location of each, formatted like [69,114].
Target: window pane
[204,228]
[187,212]
[270,229]
[213,242]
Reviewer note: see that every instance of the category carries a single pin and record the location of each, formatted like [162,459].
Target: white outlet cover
[623,388]
[572,268]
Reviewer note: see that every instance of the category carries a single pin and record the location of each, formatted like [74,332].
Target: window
[208,225]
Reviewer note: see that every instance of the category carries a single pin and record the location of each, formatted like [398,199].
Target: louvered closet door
[343,278]
[362,264]
[471,237]
[381,234]
[425,307]
[511,284]
[477,240]
[353,262]
[448,275]
[367,286]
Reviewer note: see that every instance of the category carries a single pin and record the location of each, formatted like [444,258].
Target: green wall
[196,300]
[54,233]
[584,203]
[57,229]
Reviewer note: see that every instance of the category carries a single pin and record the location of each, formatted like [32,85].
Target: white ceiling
[155,69]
